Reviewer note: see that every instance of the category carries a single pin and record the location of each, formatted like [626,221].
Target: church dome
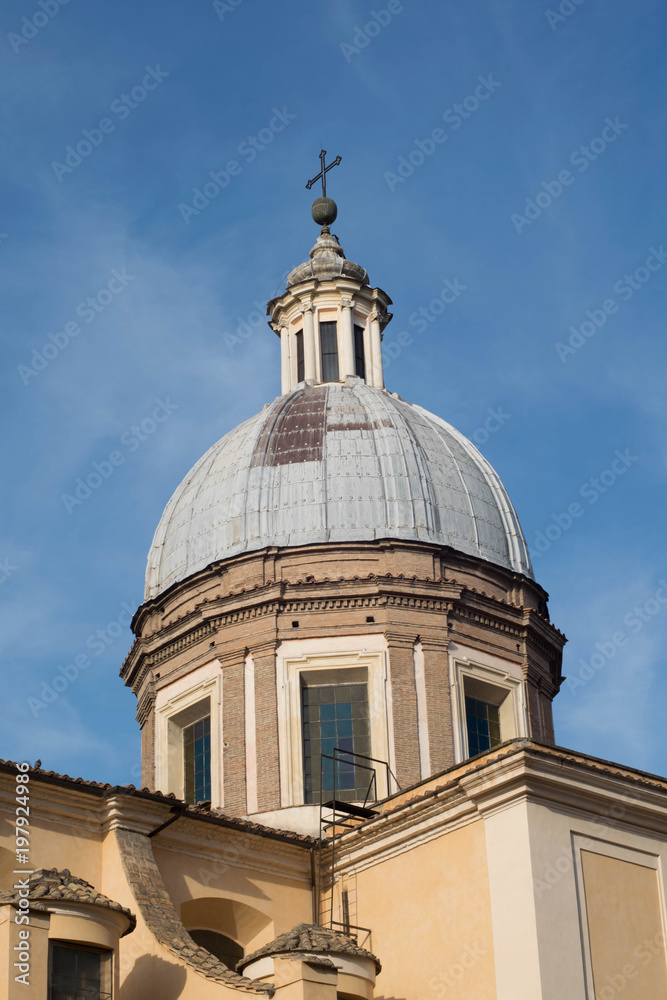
[333,463]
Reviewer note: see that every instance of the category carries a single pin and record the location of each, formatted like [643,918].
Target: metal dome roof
[335,462]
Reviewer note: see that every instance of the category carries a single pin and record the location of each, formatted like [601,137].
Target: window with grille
[224,948]
[359,352]
[335,716]
[300,364]
[197,761]
[329,349]
[79,973]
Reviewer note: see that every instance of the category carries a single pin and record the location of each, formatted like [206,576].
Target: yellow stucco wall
[72,838]
[625,928]
[429,911]
[281,902]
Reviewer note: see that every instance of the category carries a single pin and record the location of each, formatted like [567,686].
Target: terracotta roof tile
[204,812]
[49,884]
[311,938]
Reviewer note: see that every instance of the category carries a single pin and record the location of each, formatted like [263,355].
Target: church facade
[344,671]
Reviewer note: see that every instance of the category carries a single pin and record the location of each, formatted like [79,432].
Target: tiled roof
[201,812]
[434,785]
[311,938]
[49,884]
[163,920]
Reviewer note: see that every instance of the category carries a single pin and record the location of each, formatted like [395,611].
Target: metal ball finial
[324,211]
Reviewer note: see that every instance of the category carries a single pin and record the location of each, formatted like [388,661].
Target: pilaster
[376,372]
[266,719]
[404,701]
[309,341]
[285,365]
[233,734]
[439,707]
[346,338]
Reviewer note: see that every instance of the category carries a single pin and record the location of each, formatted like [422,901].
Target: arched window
[224,948]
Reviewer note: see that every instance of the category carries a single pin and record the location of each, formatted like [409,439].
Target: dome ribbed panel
[335,463]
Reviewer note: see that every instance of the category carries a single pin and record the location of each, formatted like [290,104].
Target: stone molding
[521,771]
[267,599]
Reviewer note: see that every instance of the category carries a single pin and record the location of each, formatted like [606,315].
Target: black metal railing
[343,816]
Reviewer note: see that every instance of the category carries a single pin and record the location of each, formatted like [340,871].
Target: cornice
[465,612]
[238,850]
[444,597]
[142,658]
[145,703]
[65,809]
[523,771]
[96,807]
[275,598]
[393,834]
[543,634]
[449,557]
[569,785]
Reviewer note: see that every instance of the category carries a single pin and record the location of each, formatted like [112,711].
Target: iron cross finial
[323,172]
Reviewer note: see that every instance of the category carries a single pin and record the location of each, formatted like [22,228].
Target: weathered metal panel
[335,463]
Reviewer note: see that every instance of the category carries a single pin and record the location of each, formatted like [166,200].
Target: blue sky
[538,196]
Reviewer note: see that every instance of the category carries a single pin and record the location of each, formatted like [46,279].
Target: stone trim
[519,591]
[146,703]
[161,918]
[519,770]
[523,627]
